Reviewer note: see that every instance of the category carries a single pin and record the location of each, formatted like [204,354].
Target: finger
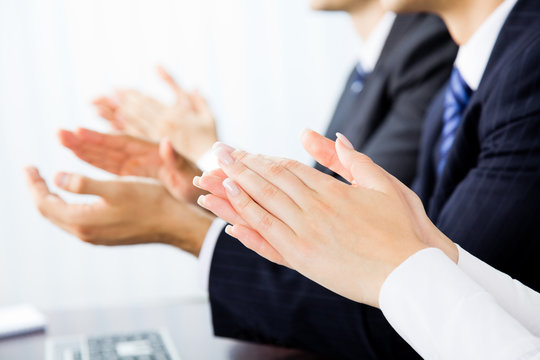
[105,101]
[181,95]
[271,228]
[107,114]
[291,177]
[200,104]
[68,139]
[117,142]
[51,205]
[212,184]
[324,152]
[269,196]
[255,242]
[168,155]
[80,184]
[222,208]
[364,171]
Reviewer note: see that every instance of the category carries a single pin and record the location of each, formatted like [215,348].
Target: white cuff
[443,314]
[518,300]
[207,161]
[207,251]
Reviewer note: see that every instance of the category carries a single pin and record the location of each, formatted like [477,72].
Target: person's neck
[366,16]
[464,17]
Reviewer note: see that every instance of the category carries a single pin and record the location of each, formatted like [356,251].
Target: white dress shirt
[473,57]
[369,51]
[445,313]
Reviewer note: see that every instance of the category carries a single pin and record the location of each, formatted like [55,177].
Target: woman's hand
[346,237]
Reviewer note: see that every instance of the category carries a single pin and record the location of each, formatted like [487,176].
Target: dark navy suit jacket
[488,197]
[255,300]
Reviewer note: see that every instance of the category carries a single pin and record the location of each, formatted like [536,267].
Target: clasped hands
[346,237]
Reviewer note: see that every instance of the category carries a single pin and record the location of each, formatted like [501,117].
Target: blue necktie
[456,100]
[358,82]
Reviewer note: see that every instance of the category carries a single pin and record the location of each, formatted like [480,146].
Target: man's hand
[126,155]
[188,123]
[126,212]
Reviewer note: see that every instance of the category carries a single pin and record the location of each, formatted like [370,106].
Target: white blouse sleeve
[520,301]
[444,314]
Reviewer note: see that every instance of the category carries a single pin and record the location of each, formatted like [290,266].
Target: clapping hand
[125,155]
[346,237]
[188,123]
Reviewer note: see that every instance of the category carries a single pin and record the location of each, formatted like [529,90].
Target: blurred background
[268,67]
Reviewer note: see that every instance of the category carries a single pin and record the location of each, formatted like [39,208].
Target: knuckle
[275,170]
[43,210]
[240,155]
[265,222]
[269,191]
[77,183]
[289,164]
[243,203]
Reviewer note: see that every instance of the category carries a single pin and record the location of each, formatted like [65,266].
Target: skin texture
[188,123]
[347,238]
[128,156]
[125,212]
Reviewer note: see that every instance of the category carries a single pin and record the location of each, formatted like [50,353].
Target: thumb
[364,171]
[167,154]
[80,184]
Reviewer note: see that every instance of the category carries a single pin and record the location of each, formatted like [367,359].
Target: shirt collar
[369,50]
[473,56]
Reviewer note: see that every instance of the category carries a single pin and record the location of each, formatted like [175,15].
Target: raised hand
[125,155]
[346,237]
[188,123]
[126,213]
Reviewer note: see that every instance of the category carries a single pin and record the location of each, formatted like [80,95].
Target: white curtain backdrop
[269,68]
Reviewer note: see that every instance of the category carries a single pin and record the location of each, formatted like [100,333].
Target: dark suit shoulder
[421,46]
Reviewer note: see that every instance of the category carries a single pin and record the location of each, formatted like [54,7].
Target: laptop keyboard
[149,345]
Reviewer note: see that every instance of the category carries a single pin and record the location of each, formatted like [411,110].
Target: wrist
[185,227]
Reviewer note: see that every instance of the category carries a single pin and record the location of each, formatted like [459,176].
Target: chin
[333,5]
[407,6]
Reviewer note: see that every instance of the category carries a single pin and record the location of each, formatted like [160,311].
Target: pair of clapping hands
[348,238]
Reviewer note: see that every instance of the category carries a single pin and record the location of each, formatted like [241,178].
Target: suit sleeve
[395,142]
[255,300]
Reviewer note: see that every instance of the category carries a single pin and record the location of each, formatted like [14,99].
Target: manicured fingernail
[344,140]
[61,179]
[201,201]
[304,132]
[231,187]
[196,181]
[224,156]
[229,230]
[219,145]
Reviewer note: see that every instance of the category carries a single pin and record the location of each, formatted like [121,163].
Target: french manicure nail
[229,230]
[231,187]
[344,141]
[224,156]
[200,201]
[196,181]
